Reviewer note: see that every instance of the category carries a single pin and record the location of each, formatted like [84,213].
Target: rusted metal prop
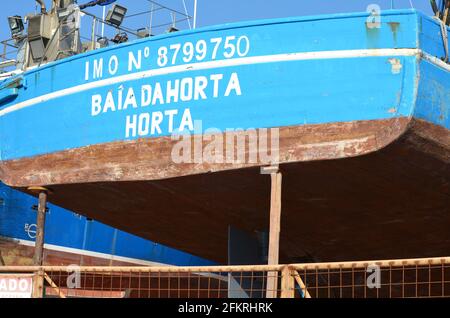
[38,282]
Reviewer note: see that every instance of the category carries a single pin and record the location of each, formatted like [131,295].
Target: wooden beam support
[287,283]
[2,262]
[38,284]
[54,286]
[275,218]
[301,284]
[275,226]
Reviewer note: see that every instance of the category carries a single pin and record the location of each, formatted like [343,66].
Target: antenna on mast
[173,28]
[195,14]
[103,19]
[187,14]
[151,18]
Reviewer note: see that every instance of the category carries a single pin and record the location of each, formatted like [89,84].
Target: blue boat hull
[270,74]
[361,112]
[71,239]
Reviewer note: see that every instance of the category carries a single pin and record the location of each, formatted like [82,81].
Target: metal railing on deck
[415,278]
[102,29]
[8,55]
[8,50]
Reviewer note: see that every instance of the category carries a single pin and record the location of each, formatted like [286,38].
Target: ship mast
[195,14]
[42,4]
[441,11]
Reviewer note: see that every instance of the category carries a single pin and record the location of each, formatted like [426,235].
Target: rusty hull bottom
[394,203]
[151,159]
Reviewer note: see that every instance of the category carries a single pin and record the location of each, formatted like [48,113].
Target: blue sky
[212,12]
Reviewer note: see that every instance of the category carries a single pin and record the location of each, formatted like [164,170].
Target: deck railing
[8,52]
[415,278]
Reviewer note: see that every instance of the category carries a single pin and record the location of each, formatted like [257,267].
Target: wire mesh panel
[381,279]
[415,278]
[159,283]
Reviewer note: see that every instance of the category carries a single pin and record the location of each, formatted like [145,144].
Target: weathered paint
[433,99]
[395,28]
[396,65]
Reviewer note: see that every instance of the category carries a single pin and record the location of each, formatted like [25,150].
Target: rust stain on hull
[395,28]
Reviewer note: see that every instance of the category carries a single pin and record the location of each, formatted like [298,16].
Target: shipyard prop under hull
[361,111]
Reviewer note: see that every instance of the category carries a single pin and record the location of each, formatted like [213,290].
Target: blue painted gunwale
[376,90]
